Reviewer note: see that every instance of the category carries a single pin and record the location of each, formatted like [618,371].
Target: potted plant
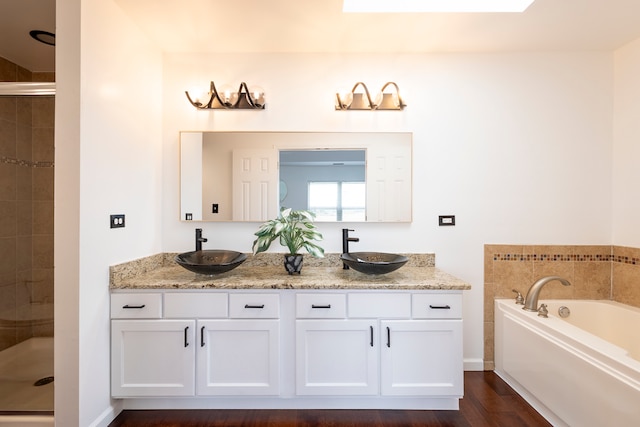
[296,231]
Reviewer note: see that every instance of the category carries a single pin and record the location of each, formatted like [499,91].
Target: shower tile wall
[595,272]
[26,211]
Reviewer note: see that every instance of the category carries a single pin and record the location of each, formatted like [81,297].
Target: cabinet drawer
[321,306]
[136,306]
[254,306]
[196,305]
[381,304]
[437,306]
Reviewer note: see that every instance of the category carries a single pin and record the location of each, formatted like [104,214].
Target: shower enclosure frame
[27,89]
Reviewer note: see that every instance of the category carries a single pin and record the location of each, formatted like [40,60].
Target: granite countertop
[161,272]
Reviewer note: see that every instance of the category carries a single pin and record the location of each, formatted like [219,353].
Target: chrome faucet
[531,300]
[199,239]
[345,244]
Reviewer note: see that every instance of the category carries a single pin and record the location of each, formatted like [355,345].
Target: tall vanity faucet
[345,244]
[199,239]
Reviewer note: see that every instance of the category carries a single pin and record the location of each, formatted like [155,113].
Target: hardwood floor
[488,401]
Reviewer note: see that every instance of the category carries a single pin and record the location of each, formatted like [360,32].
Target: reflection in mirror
[342,176]
[329,183]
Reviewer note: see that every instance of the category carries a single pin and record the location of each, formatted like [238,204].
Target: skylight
[418,6]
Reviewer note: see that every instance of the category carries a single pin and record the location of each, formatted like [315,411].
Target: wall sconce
[362,101]
[228,99]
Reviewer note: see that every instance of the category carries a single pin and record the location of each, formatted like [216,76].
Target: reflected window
[337,201]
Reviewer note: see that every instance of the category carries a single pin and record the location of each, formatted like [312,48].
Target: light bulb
[344,98]
[257,95]
[201,98]
[228,95]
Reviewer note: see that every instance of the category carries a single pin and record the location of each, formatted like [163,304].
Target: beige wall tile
[43,112]
[43,184]
[7,181]
[7,256]
[8,214]
[24,209]
[626,287]
[43,144]
[8,109]
[43,217]
[8,132]
[43,251]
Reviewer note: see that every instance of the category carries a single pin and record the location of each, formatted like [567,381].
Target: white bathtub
[583,370]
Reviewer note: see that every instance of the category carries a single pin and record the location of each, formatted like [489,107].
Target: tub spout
[531,300]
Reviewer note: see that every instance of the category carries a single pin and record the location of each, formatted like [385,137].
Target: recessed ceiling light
[417,6]
[43,37]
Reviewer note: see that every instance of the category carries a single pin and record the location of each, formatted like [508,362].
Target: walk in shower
[26,242]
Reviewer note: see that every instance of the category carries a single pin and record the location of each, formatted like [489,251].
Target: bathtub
[582,370]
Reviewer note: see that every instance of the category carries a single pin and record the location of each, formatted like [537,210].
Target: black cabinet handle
[388,337]
[133,306]
[186,341]
[371,332]
[320,306]
[253,306]
[202,337]
[439,307]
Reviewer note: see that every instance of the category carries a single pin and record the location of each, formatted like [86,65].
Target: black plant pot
[293,263]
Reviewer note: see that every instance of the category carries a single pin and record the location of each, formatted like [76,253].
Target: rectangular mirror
[341,176]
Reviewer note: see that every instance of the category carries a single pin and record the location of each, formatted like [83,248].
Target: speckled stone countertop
[265,271]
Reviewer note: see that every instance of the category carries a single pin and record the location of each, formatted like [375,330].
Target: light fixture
[45,37]
[426,6]
[362,100]
[228,99]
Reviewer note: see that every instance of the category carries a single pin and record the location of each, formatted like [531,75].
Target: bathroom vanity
[256,337]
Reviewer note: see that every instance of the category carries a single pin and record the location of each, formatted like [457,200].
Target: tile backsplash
[595,272]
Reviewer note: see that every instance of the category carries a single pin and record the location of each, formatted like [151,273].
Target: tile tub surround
[595,272]
[266,271]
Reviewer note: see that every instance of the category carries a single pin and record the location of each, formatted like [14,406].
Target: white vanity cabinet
[288,348]
[194,344]
[367,352]
[241,355]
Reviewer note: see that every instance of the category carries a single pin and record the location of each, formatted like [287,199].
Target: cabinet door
[421,358]
[238,357]
[336,357]
[152,358]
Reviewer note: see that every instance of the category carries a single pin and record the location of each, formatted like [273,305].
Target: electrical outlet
[214,208]
[446,220]
[116,221]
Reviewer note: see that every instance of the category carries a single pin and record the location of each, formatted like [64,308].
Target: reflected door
[255,184]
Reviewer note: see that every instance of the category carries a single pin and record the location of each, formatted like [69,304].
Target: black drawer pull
[202,337]
[133,306]
[320,306]
[388,337]
[186,341]
[253,306]
[371,332]
[440,307]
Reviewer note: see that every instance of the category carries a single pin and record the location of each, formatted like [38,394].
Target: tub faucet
[199,239]
[531,300]
[345,244]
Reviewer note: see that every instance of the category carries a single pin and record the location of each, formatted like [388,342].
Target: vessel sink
[210,261]
[373,262]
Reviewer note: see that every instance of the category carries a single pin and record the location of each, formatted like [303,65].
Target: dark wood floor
[488,401]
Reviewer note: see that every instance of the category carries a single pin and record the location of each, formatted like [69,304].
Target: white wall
[517,146]
[108,160]
[626,159]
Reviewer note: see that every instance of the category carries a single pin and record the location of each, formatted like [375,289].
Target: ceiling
[320,26]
